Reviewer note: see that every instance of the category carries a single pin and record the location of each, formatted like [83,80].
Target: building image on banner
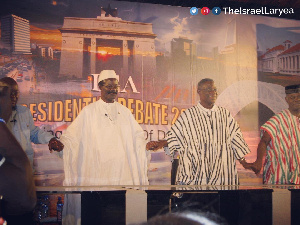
[91,45]
[278,64]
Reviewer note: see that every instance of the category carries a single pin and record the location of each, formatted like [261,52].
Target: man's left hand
[55,145]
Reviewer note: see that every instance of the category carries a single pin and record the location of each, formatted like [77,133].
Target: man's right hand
[56,145]
[155,145]
[256,167]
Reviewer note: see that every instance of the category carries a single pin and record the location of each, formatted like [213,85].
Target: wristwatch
[242,159]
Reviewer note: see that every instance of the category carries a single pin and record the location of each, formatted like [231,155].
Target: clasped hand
[155,145]
[255,167]
[55,145]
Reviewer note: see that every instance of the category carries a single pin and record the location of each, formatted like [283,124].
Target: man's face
[14,95]
[293,101]
[109,90]
[208,94]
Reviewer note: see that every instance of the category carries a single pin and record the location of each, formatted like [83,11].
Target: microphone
[107,116]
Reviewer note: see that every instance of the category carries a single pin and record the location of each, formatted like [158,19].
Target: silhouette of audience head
[186,218]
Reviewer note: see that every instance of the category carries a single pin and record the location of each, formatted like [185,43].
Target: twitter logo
[194,11]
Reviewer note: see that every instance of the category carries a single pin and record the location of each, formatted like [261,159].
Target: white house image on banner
[283,59]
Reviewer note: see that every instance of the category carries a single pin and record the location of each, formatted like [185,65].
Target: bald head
[5,101]
[9,81]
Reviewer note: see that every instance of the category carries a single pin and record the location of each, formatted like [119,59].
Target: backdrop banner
[160,53]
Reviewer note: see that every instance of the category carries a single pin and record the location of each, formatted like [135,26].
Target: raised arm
[261,151]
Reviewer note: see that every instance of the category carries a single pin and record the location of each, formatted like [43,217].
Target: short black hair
[292,89]
[201,82]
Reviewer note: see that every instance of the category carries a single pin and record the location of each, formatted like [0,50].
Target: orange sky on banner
[82,93]
[44,36]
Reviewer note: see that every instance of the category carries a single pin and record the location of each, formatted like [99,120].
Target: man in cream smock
[105,145]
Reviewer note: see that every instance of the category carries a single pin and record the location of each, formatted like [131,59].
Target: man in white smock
[105,145]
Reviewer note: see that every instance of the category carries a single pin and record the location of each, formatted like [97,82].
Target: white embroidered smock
[105,146]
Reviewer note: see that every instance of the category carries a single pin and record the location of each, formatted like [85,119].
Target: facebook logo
[216,10]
